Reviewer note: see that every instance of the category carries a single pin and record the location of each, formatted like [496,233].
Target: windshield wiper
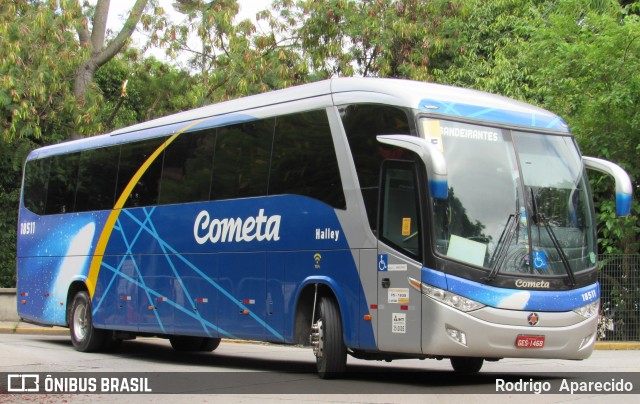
[500,253]
[539,218]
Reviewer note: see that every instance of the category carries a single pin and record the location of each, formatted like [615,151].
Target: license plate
[530,341]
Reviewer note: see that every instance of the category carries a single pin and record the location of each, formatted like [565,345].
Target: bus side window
[132,157]
[97,174]
[399,216]
[186,172]
[61,190]
[36,178]
[241,160]
[362,123]
[304,160]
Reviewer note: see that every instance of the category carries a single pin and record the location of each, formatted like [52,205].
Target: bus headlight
[589,310]
[443,296]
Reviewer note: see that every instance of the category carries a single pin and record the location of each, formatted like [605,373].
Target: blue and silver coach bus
[379,218]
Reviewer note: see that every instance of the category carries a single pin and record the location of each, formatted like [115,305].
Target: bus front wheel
[84,337]
[466,365]
[326,338]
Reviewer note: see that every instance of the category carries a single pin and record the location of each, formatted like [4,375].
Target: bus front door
[399,252]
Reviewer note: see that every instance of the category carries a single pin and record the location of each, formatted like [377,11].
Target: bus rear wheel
[183,343]
[84,337]
[326,338]
[209,344]
[466,365]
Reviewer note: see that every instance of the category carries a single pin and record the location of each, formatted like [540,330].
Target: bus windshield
[518,202]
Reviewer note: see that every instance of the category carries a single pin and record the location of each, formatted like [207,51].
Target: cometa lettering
[521,283]
[229,230]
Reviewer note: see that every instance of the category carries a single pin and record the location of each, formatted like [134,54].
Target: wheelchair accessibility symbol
[383,261]
[539,260]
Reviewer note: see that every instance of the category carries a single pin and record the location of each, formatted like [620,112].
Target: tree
[234,59]
[492,36]
[11,157]
[48,45]
[383,38]
[585,61]
[93,41]
[37,60]
[154,89]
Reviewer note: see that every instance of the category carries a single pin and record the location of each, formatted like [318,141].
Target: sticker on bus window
[539,259]
[406,226]
[433,133]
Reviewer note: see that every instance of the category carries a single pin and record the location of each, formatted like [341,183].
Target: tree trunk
[84,77]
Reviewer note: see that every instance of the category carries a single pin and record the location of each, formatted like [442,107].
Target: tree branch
[83,32]
[125,33]
[100,24]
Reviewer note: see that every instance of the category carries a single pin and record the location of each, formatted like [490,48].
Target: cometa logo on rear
[521,283]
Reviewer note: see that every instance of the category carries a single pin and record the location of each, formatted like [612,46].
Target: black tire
[110,344]
[84,337]
[466,365]
[331,356]
[209,344]
[183,343]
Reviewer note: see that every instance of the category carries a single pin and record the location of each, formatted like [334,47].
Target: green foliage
[12,155]
[153,89]
[492,35]
[585,61]
[37,64]
[234,59]
[386,38]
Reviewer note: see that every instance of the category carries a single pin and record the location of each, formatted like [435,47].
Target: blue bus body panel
[185,269]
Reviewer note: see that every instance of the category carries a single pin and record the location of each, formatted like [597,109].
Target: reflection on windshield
[487,219]
[559,199]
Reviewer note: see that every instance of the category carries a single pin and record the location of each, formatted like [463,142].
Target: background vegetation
[62,71]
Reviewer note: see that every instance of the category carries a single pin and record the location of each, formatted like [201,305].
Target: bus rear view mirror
[624,189]
[431,156]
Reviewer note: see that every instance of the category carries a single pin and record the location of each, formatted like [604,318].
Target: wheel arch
[327,287]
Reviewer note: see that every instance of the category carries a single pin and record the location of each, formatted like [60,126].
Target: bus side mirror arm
[431,156]
[624,189]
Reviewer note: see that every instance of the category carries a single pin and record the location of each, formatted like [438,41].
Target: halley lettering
[327,234]
[229,230]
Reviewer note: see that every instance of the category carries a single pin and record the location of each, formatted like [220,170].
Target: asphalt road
[250,372]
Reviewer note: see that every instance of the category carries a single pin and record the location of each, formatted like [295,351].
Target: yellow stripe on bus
[96,261]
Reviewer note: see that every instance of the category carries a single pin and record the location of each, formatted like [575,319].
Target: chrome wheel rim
[80,322]
[318,339]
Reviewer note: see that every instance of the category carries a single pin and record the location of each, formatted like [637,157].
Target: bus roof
[432,98]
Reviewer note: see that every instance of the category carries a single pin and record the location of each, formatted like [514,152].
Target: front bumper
[492,333]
